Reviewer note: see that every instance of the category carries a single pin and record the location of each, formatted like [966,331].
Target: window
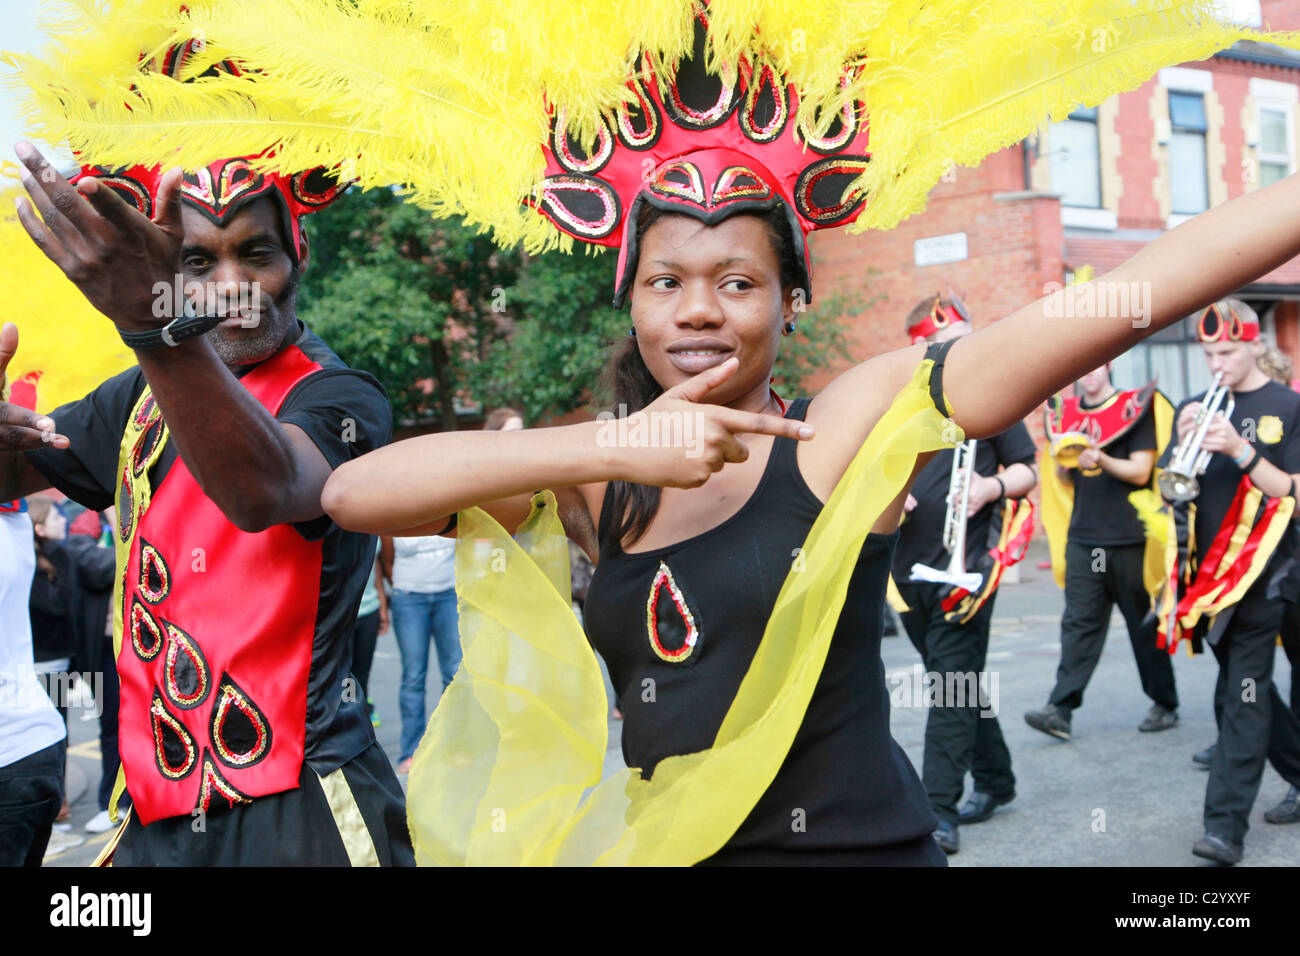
[1076,167]
[1276,155]
[1173,356]
[1188,182]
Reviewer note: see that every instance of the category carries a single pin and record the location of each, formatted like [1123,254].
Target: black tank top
[677,662]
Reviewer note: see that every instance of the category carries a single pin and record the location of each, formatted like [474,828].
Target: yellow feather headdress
[449,98]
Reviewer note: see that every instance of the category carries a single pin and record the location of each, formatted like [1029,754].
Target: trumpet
[954,525]
[1178,482]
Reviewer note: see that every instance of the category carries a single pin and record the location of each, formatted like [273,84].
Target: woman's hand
[679,441]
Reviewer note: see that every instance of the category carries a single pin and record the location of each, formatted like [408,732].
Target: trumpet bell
[1067,447]
[1178,487]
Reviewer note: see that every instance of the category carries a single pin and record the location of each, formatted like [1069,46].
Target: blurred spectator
[32,736]
[372,620]
[422,571]
[504,420]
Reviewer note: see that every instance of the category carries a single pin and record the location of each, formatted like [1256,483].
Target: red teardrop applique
[213,784]
[241,735]
[155,578]
[669,621]
[186,675]
[125,508]
[146,635]
[173,746]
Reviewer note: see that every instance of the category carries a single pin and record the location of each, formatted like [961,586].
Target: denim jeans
[416,615]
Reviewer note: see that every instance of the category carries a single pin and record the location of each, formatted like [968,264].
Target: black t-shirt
[1102,513]
[921,540]
[1274,411]
[346,414]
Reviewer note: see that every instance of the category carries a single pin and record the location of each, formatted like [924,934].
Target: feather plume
[447,99]
[66,347]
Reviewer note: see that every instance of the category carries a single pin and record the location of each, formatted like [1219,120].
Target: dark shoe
[980,806]
[1050,720]
[1288,811]
[1204,758]
[1216,848]
[947,837]
[1158,718]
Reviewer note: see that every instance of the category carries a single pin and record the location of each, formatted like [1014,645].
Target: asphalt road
[1109,797]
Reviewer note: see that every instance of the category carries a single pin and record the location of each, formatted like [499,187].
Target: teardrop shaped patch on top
[240,732]
[146,634]
[155,578]
[187,679]
[213,784]
[173,745]
[670,623]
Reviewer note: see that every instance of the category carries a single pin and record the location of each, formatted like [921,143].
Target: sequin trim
[316,187]
[850,200]
[230,695]
[146,635]
[664,578]
[178,643]
[214,783]
[711,116]
[126,508]
[692,189]
[162,722]
[145,446]
[625,120]
[848,122]
[563,147]
[152,560]
[551,200]
[731,185]
[765,77]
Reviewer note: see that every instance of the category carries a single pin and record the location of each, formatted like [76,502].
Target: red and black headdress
[710,145]
[939,317]
[224,187]
[1222,323]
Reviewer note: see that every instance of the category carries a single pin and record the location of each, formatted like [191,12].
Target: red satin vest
[218,626]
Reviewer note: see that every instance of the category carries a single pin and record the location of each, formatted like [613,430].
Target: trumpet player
[1242,482]
[949,624]
[1103,445]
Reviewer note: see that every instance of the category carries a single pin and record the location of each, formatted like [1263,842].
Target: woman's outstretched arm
[418,483]
[997,375]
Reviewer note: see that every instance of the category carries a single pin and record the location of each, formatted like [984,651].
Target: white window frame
[1281,98]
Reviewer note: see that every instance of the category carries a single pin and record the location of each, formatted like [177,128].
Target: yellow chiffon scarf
[509,771]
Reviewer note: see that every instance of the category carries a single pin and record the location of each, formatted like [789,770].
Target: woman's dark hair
[629,508]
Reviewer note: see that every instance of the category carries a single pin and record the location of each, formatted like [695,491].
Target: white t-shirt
[425,564]
[28,721]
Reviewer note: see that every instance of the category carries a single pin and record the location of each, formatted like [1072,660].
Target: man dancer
[950,627]
[1105,546]
[1241,530]
[237,595]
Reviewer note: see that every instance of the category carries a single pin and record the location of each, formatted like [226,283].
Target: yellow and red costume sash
[212,641]
[1009,532]
[1070,428]
[1197,588]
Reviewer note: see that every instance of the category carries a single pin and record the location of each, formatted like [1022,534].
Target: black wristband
[1252,463]
[175,332]
[1001,484]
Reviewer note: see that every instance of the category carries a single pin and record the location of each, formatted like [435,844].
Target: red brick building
[1091,191]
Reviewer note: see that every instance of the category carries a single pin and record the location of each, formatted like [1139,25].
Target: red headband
[711,146]
[1214,327]
[939,317]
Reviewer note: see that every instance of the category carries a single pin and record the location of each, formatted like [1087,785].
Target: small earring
[632,332]
[787,328]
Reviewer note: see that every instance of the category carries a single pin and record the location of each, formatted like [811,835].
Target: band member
[1104,442]
[1221,586]
[948,624]
[237,595]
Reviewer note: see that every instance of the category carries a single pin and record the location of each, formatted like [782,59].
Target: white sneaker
[99,823]
[62,842]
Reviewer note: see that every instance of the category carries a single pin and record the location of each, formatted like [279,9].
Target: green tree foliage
[439,314]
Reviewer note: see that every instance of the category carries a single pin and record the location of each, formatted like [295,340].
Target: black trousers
[30,794]
[1255,724]
[1089,596]
[957,738]
[1291,646]
[365,635]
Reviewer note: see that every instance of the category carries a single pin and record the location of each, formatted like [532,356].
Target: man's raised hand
[707,433]
[112,253]
[21,429]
